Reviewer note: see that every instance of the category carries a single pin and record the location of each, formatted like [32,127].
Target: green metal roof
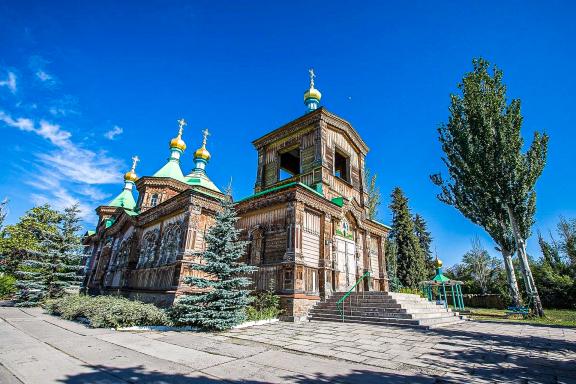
[171,169]
[280,187]
[123,200]
[199,178]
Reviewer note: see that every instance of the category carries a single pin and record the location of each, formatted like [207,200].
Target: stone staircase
[385,308]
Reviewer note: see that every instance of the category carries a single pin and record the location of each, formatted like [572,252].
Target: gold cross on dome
[135,160]
[312,76]
[205,135]
[181,124]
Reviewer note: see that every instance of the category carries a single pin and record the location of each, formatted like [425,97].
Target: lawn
[563,317]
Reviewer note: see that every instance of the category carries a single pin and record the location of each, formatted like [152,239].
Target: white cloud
[115,131]
[10,82]
[67,174]
[44,76]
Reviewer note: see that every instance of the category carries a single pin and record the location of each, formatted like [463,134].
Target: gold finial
[181,124]
[177,142]
[312,93]
[312,76]
[135,160]
[205,134]
[202,152]
[131,174]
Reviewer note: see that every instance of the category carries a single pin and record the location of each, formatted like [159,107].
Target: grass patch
[562,317]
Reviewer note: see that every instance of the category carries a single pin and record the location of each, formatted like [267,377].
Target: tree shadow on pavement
[138,374]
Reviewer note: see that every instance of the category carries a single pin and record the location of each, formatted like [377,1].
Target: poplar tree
[410,260]
[223,297]
[425,241]
[374,196]
[492,182]
[55,264]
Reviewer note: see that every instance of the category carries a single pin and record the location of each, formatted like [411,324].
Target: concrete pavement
[38,348]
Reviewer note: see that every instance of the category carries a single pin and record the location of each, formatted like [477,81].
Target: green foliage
[54,264]
[266,305]
[394,283]
[374,196]
[480,272]
[7,285]
[492,181]
[26,236]
[425,241]
[107,311]
[555,271]
[412,291]
[410,258]
[222,300]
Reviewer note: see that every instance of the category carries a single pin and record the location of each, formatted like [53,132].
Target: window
[154,200]
[289,163]
[341,166]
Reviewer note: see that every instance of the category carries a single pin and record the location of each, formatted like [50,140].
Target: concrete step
[424,323]
[385,306]
[373,314]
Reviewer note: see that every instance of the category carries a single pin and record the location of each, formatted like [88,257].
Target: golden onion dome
[438,263]
[130,176]
[312,93]
[202,153]
[177,142]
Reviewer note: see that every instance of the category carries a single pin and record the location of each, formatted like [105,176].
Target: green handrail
[339,303]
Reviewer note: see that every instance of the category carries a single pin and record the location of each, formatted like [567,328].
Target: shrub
[266,305]
[413,291]
[107,311]
[7,285]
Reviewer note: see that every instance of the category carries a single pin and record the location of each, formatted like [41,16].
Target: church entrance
[346,259]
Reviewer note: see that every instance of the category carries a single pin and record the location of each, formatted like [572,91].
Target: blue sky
[84,86]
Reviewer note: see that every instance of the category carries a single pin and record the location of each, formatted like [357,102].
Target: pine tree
[55,264]
[425,241]
[223,301]
[411,267]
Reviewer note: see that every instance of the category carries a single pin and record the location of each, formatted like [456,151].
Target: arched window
[154,200]
[170,244]
[121,258]
[147,249]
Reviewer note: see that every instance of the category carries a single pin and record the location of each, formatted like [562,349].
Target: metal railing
[340,303]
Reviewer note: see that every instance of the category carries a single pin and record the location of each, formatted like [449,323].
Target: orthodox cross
[312,76]
[205,133]
[135,160]
[181,123]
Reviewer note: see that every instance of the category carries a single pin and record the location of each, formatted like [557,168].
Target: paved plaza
[38,348]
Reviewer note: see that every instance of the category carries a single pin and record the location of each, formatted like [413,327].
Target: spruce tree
[425,241]
[55,264]
[224,296]
[392,265]
[410,260]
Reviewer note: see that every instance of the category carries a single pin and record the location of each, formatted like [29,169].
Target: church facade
[307,222]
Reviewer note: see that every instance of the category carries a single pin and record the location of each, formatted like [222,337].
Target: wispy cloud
[68,173]
[38,65]
[10,82]
[115,131]
[43,76]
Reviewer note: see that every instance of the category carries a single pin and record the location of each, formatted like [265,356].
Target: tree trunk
[511,277]
[529,283]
